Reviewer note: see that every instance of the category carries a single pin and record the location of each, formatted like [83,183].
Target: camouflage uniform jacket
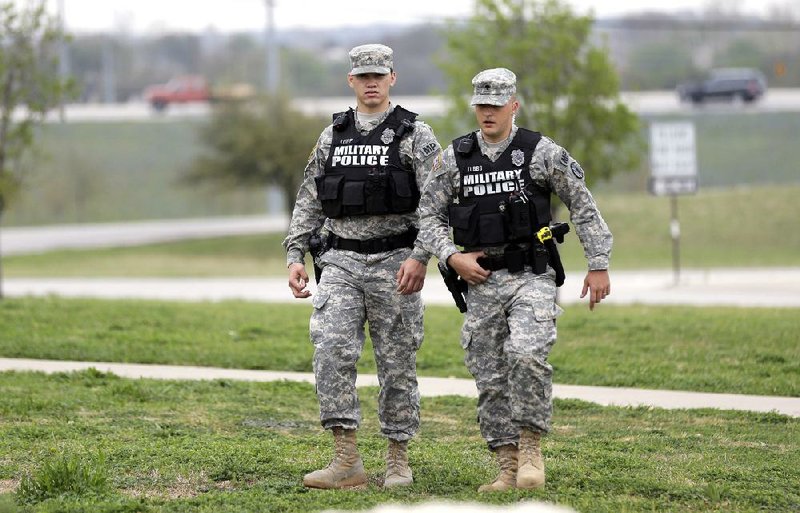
[419,149]
[551,167]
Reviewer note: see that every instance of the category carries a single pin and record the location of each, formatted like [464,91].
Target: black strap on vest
[378,245]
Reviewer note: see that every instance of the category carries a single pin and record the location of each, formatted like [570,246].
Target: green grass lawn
[733,148]
[250,255]
[219,446]
[716,232]
[120,171]
[734,350]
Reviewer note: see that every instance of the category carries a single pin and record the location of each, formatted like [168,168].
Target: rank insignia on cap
[517,157]
[494,86]
[387,136]
[576,170]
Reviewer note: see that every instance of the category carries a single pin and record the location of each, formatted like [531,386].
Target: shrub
[64,476]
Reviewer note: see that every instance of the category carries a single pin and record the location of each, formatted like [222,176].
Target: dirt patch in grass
[184,487]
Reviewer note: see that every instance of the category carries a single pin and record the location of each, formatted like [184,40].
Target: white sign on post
[673,161]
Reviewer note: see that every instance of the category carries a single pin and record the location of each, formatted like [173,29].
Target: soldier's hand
[298,280]
[467,266]
[598,285]
[410,277]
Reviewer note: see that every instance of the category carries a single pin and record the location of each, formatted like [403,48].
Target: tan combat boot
[507,478]
[398,473]
[346,470]
[530,473]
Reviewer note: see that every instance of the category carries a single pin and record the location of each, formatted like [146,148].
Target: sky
[142,16]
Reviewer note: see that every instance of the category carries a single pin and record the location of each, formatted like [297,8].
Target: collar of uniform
[498,147]
[366,127]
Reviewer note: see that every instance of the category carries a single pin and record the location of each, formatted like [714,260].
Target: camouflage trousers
[356,289]
[507,334]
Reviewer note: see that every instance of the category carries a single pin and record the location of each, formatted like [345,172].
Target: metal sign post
[673,171]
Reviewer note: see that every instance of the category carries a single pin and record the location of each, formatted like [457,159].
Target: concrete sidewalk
[431,387]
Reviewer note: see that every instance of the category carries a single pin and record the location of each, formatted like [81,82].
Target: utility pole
[275,197]
[273,68]
[109,76]
[63,56]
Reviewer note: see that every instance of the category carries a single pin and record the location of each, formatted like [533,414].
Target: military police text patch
[576,170]
[428,150]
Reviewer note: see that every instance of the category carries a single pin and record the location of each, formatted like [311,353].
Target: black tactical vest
[498,203]
[364,174]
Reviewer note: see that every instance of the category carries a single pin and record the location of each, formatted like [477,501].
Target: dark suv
[744,84]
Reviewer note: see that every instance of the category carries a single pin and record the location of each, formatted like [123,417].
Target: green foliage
[28,78]
[64,475]
[256,144]
[568,88]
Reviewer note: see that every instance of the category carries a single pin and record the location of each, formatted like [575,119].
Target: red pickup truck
[178,90]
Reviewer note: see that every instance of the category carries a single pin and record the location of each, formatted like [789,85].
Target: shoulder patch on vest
[428,150]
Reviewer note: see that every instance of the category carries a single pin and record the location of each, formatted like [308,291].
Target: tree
[30,86]
[255,144]
[567,87]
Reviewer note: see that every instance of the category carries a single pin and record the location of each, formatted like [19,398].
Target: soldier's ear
[350,80]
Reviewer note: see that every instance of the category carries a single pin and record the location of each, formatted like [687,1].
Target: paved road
[735,287]
[431,387]
[643,102]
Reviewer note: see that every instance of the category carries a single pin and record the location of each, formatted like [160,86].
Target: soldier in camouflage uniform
[484,187]
[362,186]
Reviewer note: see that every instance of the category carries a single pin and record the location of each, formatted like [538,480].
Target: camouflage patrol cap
[494,86]
[371,58]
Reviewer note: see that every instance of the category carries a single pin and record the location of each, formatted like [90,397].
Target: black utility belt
[515,258]
[378,245]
